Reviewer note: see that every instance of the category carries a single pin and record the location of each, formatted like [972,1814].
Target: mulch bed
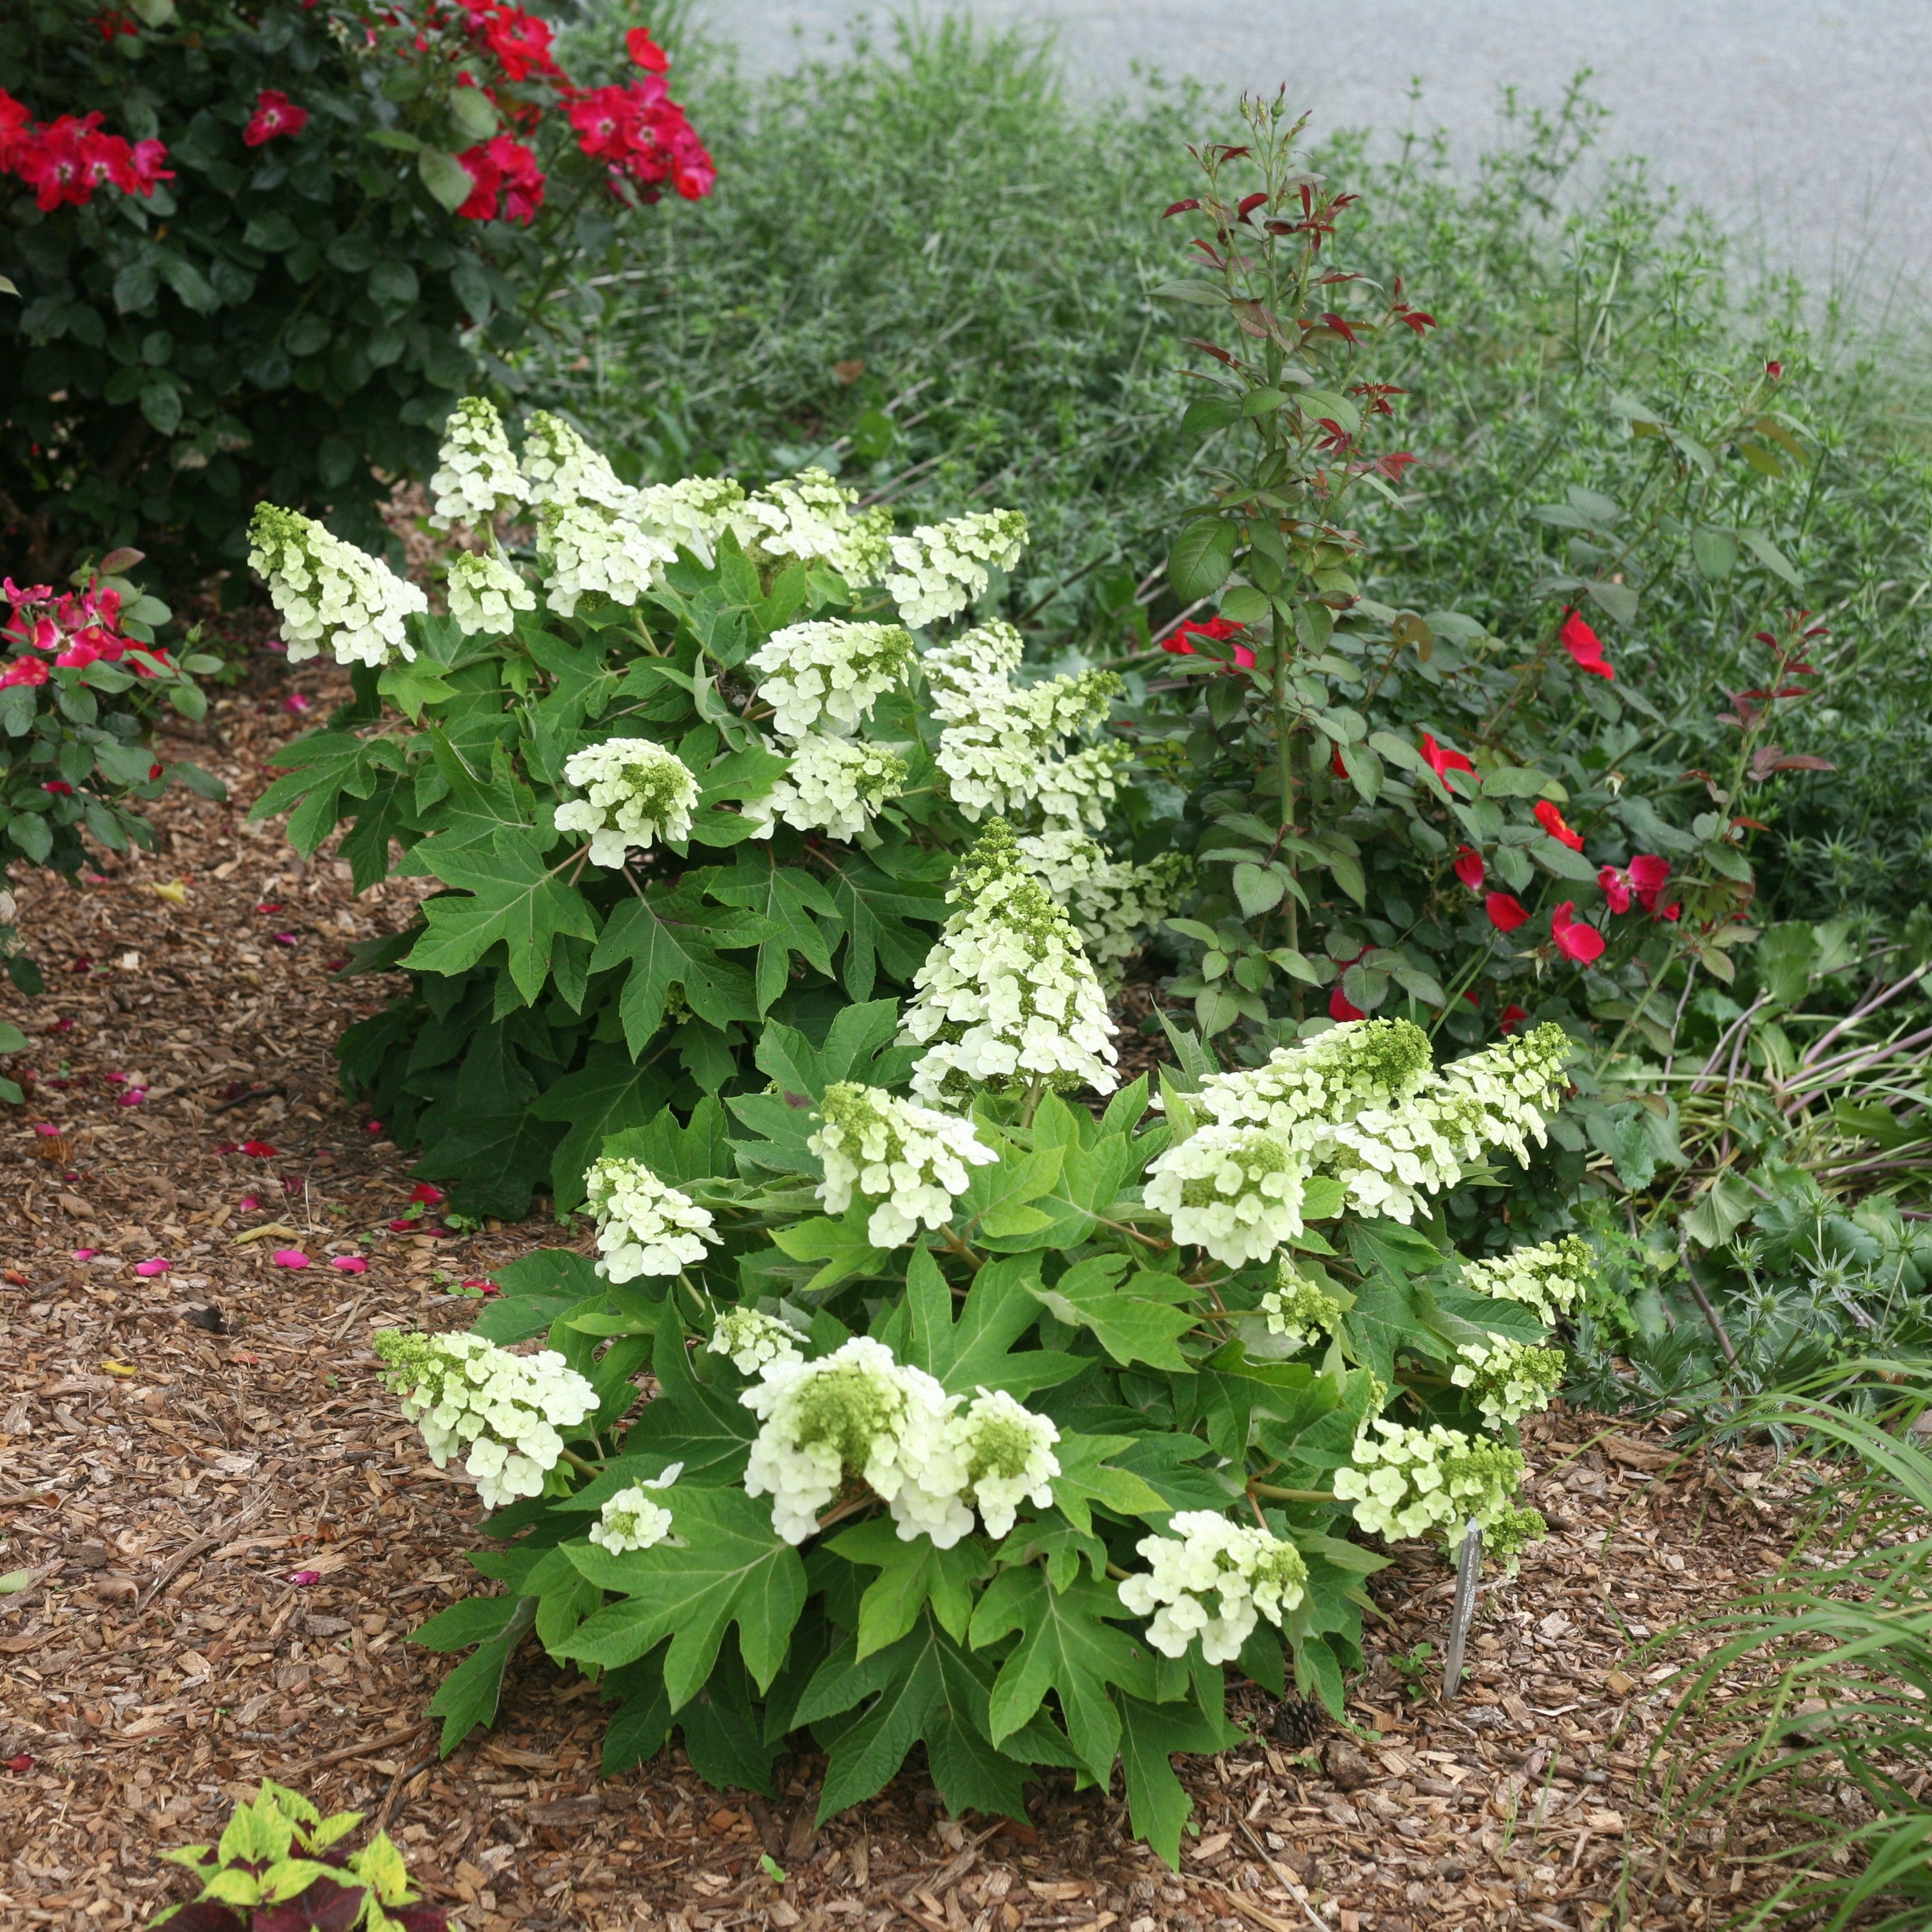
[175,1448]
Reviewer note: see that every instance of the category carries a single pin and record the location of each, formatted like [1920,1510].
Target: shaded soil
[177,1449]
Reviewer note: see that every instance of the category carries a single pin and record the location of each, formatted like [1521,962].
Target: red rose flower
[1584,646]
[1616,886]
[1341,1008]
[1574,939]
[645,51]
[1506,911]
[1551,819]
[1511,1017]
[1215,630]
[1648,874]
[1441,760]
[1468,867]
[275,115]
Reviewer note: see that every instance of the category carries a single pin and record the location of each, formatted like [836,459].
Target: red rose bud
[1506,911]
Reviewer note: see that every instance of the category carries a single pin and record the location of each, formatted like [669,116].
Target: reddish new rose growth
[1551,819]
[1574,939]
[65,161]
[1506,911]
[1584,646]
[275,114]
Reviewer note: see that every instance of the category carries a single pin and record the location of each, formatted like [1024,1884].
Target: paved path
[1806,124]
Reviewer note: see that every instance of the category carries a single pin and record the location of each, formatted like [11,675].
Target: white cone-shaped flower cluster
[932,1456]
[593,552]
[999,746]
[1007,996]
[1361,1104]
[753,1339]
[1213,1578]
[826,676]
[1114,905]
[809,517]
[1235,1191]
[501,1413]
[833,785]
[485,594]
[939,569]
[635,791]
[1509,1380]
[634,1519]
[330,593]
[559,468]
[1551,1278]
[854,1413]
[644,1226]
[1299,1310]
[1406,1482]
[912,1160]
[476,475]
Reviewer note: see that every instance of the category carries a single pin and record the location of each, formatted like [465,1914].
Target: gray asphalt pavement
[1806,126]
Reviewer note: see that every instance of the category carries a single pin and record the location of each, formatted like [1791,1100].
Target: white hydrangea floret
[752,1339]
[1007,995]
[1551,1278]
[1508,1379]
[634,1519]
[559,468]
[501,1413]
[1007,1455]
[858,1414]
[810,517]
[911,1160]
[1114,905]
[1405,1482]
[832,785]
[1213,1578]
[826,675]
[485,594]
[645,1226]
[328,592]
[635,790]
[1237,1192]
[1299,1310]
[939,569]
[592,551]
[476,474]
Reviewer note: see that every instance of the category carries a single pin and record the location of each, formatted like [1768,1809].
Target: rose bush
[79,686]
[262,255]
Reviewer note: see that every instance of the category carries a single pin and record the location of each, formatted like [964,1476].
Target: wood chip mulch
[230,1533]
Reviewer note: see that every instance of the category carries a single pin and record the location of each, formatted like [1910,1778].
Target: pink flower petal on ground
[350,1263]
[85,1254]
[286,939]
[408,1227]
[425,1193]
[134,1097]
[156,1266]
[373,1127]
[481,1286]
[289,1258]
[303,1578]
[249,1202]
[46,1127]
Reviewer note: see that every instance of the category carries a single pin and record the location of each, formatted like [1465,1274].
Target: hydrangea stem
[1281,1496]
[577,1462]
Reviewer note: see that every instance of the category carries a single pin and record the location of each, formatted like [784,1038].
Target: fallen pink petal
[350,1263]
[289,1258]
[302,1579]
[85,1254]
[156,1266]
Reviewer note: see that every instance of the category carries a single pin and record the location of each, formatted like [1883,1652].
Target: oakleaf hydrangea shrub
[681,765]
[261,252]
[980,1418]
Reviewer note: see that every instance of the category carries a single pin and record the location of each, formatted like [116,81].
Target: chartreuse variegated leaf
[910,1576]
[729,1567]
[1064,1644]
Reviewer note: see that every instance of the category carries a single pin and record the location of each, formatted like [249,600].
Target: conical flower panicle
[635,790]
[476,476]
[330,593]
[1007,996]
